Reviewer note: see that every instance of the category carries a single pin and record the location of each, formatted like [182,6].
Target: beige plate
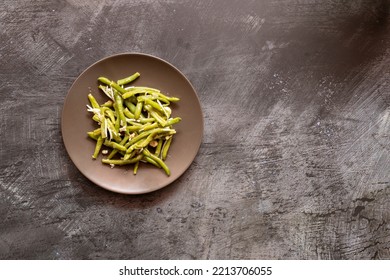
[156,73]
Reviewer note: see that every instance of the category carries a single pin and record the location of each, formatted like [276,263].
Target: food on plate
[135,124]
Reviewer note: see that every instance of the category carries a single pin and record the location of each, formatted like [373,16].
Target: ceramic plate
[155,73]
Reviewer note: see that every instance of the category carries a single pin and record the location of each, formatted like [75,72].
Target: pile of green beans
[135,124]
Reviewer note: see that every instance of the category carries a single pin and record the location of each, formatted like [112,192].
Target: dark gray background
[295,158]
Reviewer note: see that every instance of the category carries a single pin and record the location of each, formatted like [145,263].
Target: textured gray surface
[295,157]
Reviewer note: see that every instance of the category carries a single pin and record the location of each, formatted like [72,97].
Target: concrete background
[295,158]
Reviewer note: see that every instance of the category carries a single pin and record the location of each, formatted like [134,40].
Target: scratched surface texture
[295,157]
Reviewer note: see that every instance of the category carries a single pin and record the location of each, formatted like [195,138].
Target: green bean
[136,139]
[103,123]
[173,121]
[133,128]
[130,105]
[108,104]
[135,123]
[119,106]
[146,120]
[96,118]
[110,114]
[161,95]
[155,105]
[117,120]
[93,101]
[136,165]
[114,151]
[149,126]
[144,143]
[122,161]
[153,97]
[155,115]
[98,146]
[97,132]
[158,160]
[147,89]
[138,109]
[158,148]
[152,161]
[165,148]
[114,145]
[139,126]
[128,114]
[112,131]
[111,84]
[170,98]
[169,122]
[136,90]
[92,136]
[129,156]
[128,79]
[141,121]
[146,134]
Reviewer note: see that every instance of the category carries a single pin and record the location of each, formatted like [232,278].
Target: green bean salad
[135,124]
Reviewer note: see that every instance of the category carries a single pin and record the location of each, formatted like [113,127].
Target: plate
[155,73]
